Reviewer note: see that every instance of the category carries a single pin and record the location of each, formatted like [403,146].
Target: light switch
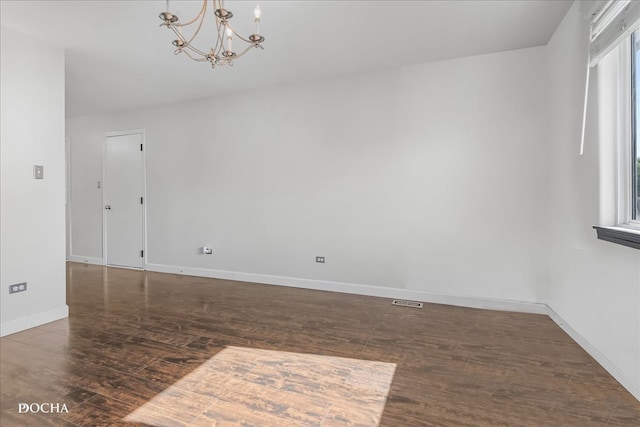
[38,172]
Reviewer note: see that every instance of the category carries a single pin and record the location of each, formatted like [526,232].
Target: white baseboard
[607,364]
[357,289]
[17,325]
[86,259]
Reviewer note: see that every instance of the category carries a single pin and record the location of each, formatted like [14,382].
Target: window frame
[632,172]
[626,231]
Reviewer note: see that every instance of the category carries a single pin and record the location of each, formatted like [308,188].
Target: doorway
[124,200]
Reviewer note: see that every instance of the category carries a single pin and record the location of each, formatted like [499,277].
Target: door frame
[142,133]
[67,200]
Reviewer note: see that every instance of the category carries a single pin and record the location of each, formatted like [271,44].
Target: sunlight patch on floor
[246,386]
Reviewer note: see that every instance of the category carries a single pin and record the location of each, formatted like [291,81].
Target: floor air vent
[406,303]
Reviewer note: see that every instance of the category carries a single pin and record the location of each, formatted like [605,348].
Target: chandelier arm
[195,59]
[178,33]
[220,37]
[243,39]
[199,25]
[201,13]
[195,50]
[238,35]
[187,43]
[244,51]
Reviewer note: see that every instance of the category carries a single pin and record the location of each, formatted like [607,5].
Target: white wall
[425,179]
[32,217]
[595,285]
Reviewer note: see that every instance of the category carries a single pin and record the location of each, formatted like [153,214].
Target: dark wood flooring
[131,335]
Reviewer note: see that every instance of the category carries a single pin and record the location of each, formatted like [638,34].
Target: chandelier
[222,52]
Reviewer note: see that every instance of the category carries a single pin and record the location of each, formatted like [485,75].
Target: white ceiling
[118,57]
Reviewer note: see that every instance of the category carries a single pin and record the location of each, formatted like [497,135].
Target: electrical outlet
[38,172]
[18,287]
[320,259]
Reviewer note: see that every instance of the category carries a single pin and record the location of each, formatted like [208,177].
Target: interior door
[124,209]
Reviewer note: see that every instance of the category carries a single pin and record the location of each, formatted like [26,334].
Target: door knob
[108,207]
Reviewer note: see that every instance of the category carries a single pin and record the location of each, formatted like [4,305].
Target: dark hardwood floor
[134,336]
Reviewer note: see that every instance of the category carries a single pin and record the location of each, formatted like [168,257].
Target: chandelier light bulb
[229,36]
[258,13]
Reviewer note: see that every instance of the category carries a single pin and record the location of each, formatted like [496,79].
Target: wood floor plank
[101,411]
[249,354]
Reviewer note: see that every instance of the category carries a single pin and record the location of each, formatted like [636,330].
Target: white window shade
[611,22]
